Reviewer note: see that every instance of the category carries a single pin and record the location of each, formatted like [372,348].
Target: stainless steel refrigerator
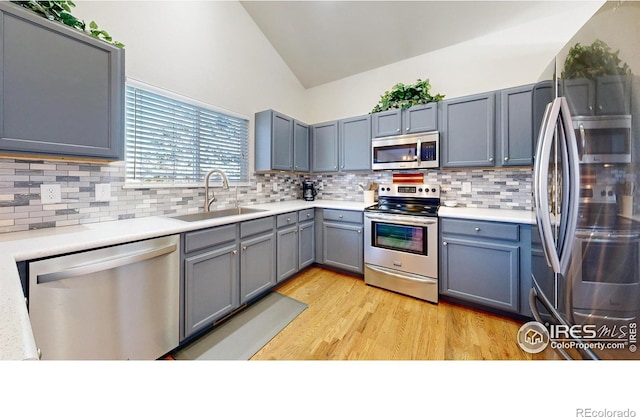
[586,241]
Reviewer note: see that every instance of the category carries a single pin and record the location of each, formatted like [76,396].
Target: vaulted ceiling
[323,41]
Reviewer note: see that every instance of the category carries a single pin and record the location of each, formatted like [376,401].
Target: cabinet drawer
[209,237]
[479,228]
[287,219]
[307,214]
[343,215]
[253,227]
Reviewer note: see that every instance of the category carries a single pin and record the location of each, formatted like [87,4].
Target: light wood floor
[347,319]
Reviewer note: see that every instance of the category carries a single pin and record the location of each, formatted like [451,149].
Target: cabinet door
[422,118]
[613,95]
[257,265]
[485,272]
[325,147]
[543,94]
[287,252]
[61,95]
[300,147]
[515,126]
[580,94]
[467,131]
[211,287]
[281,142]
[387,123]
[355,143]
[343,246]
[306,244]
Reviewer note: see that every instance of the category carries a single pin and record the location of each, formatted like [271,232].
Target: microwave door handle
[583,141]
[541,183]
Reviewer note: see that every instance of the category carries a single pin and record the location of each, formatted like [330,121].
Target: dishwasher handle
[104,265]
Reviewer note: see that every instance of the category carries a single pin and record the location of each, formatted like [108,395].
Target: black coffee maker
[308,190]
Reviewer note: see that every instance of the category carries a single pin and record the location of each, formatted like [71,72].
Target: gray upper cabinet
[301,148]
[387,123]
[274,141]
[543,94]
[325,147]
[467,130]
[515,124]
[421,118]
[607,95]
[355,143]
[61,91]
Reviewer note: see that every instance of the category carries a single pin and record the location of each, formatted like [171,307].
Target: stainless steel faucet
[225,184]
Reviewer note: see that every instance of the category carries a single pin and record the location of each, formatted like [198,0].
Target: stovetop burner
[408,199]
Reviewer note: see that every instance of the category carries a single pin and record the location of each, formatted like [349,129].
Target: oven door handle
[403,276]
[398,220]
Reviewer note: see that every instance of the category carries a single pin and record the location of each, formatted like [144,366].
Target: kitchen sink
[215,214]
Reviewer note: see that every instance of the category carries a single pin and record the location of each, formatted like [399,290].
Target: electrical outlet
[50,193]
[274,187]
[259,187]
[103,192]
[466,187]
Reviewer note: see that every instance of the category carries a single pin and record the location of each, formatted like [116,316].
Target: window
[171,140]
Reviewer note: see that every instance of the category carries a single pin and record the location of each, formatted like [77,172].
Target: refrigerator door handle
[572,192]
[541,183]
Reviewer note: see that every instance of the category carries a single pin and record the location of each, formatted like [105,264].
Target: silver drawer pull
[477,229]
[340,216]
[235,252]
[288,219]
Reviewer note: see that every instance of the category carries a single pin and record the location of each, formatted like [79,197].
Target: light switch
[50,193]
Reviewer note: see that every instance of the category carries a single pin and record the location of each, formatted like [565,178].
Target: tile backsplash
[21,207]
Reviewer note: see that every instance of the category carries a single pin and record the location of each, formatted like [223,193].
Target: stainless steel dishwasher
[120,302]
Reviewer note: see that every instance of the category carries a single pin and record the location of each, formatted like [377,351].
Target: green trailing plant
[404,96]
[60,11]
[593,61]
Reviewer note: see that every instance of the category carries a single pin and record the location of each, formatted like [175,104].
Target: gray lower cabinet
[295,242]
[287,251]
[306,244]
[64,103]
[210,274]
[342,240]
[257,257]
[467,130]
[483,263]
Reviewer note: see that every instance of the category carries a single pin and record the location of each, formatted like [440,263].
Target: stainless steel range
[401,240]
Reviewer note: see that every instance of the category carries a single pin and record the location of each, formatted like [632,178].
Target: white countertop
[496,215]
[16,336]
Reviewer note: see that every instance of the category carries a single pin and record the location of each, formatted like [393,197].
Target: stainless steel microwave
[603,139]
[420,150]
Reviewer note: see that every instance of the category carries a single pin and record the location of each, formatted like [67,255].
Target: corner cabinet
[484,263]
[607,95]
[63,95]
[281,142]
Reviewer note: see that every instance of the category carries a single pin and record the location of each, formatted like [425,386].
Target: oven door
[402,242]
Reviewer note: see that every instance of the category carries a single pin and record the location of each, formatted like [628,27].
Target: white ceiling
[323,41]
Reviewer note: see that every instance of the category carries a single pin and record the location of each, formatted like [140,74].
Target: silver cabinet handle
[407,129]
[590,107]
[308,215]
[244,248]
[342,166]
[109,263]
[288,219]
[235,252]
[444,243]
[397,130]
[335,167]
[477,229]
[506,158]
[359,231]
[491,159]
[600,107]
[341,216]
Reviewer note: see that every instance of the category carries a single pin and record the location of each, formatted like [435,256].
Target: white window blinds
[169,141]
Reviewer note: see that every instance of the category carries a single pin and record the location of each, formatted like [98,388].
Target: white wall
[516,56]
[207,50]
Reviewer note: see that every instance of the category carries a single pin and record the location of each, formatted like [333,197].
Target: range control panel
[409,190]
